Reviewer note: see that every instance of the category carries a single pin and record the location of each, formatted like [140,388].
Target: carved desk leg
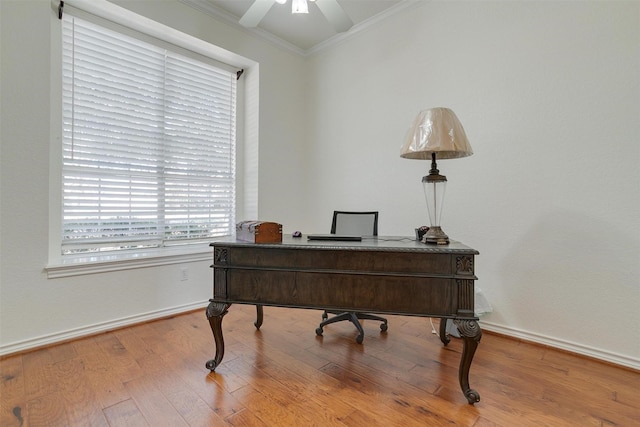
[471,334]
[443,331]
[215,313]
[259,316]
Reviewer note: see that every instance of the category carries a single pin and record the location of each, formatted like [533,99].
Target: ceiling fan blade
[335,15]
[256,12]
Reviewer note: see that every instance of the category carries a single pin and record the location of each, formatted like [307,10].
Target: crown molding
[205,7]
[362,26]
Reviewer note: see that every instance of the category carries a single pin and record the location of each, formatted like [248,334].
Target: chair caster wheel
[319,331]
[384,327]
[325,316]
[359,339]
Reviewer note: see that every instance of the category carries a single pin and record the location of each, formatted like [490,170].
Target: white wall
[35,310]
[549,95]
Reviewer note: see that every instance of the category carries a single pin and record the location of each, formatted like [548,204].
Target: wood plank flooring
[154,374]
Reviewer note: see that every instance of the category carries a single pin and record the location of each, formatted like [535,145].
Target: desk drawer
[354,292]
[338,260]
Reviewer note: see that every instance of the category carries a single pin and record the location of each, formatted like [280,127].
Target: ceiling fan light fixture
[331,10]
[299,6]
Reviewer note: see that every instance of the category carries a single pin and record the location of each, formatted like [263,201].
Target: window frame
[246,143]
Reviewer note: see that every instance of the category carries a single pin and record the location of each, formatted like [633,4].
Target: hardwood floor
[283,375]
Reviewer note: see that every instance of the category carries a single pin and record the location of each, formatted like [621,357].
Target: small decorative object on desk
[259,232]
[420,232]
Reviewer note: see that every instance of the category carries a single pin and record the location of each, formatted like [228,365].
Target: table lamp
[435,133]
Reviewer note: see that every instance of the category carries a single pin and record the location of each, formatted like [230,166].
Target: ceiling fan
[334,13]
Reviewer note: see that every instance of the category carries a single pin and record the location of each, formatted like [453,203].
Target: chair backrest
[355,223]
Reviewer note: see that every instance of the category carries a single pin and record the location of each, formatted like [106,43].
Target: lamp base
[435,236]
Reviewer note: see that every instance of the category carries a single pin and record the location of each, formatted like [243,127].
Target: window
[148,143]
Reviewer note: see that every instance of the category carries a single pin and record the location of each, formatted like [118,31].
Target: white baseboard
[59,337]
[47,340]
[572,347]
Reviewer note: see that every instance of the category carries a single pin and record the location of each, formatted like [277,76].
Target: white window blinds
[148,143]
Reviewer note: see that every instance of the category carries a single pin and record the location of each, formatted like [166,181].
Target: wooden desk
[391,275]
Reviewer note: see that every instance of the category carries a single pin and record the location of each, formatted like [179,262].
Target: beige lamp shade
[439,131]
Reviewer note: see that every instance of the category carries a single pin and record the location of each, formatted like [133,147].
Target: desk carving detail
[392,276]
[464,265]
[220,256]
[466,295]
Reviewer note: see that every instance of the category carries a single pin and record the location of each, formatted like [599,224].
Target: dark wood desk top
[379,243]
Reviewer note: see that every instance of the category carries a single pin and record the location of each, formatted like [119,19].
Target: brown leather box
[259,232]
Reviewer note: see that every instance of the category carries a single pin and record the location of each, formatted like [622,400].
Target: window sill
[102,263]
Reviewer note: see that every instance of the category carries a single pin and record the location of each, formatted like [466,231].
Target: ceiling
[302,33]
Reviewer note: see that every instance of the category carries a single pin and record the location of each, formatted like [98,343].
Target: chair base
[353,318]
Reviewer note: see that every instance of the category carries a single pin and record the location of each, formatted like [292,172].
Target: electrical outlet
[184,274]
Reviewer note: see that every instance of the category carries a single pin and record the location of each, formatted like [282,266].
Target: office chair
[358,224]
